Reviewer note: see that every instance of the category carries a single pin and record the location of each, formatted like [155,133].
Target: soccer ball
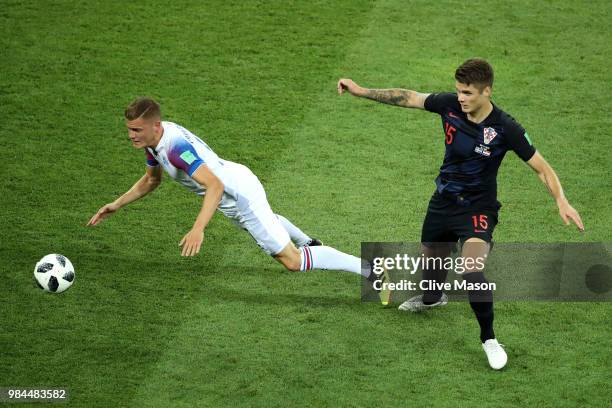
[54,273]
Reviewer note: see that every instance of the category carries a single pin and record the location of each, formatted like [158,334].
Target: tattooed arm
[398,97]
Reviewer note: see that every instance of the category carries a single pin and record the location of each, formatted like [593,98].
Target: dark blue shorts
[448,219]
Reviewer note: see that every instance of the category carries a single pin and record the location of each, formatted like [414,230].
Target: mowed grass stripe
[264,335]
[104,256]
[330,152]
[247,355]
[460,356]
[217,85]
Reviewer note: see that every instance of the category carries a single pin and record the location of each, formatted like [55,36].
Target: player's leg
[298,237]
[266,228]
[319,257]
[477,237]
[434,254]
[272,237]
[481,299]
[324,257]
[437,244]
[435,273]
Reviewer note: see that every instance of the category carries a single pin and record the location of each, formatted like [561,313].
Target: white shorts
[253,213]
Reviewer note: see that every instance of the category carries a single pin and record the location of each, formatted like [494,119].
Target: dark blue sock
[481,302]
[437,275]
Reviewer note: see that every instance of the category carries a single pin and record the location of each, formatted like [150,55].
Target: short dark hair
[144,107]
[475,71]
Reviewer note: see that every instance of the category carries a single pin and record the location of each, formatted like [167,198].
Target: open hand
[103,213]
[192,242]
[567,213]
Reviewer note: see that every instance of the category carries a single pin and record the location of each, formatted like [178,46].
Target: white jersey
[180,152]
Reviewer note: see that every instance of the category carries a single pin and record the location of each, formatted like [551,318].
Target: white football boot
[415,304]
[495,354]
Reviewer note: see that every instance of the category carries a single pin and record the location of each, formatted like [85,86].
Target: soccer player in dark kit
[464,207]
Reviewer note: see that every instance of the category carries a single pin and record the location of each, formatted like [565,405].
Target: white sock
[324,257]
[297,235]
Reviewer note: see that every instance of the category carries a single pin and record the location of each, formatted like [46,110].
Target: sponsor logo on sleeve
[188,157]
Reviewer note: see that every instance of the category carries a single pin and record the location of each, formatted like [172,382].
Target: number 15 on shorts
[480,223]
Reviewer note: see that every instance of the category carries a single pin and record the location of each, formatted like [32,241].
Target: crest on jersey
[489,134]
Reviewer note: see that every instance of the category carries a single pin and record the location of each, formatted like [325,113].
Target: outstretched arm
[551,181]
[399,97]
[147,183]
[192,241]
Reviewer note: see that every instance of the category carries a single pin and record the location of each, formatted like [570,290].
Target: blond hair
[144,107]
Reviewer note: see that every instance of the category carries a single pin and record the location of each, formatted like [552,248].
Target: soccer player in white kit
[224,185]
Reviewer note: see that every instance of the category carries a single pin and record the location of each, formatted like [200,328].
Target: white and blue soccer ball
[54,273]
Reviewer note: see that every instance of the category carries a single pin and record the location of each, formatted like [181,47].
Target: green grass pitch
[143,327]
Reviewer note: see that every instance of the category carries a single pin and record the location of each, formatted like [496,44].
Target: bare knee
[474,253]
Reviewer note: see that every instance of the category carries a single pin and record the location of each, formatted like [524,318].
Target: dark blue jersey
[474,151]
